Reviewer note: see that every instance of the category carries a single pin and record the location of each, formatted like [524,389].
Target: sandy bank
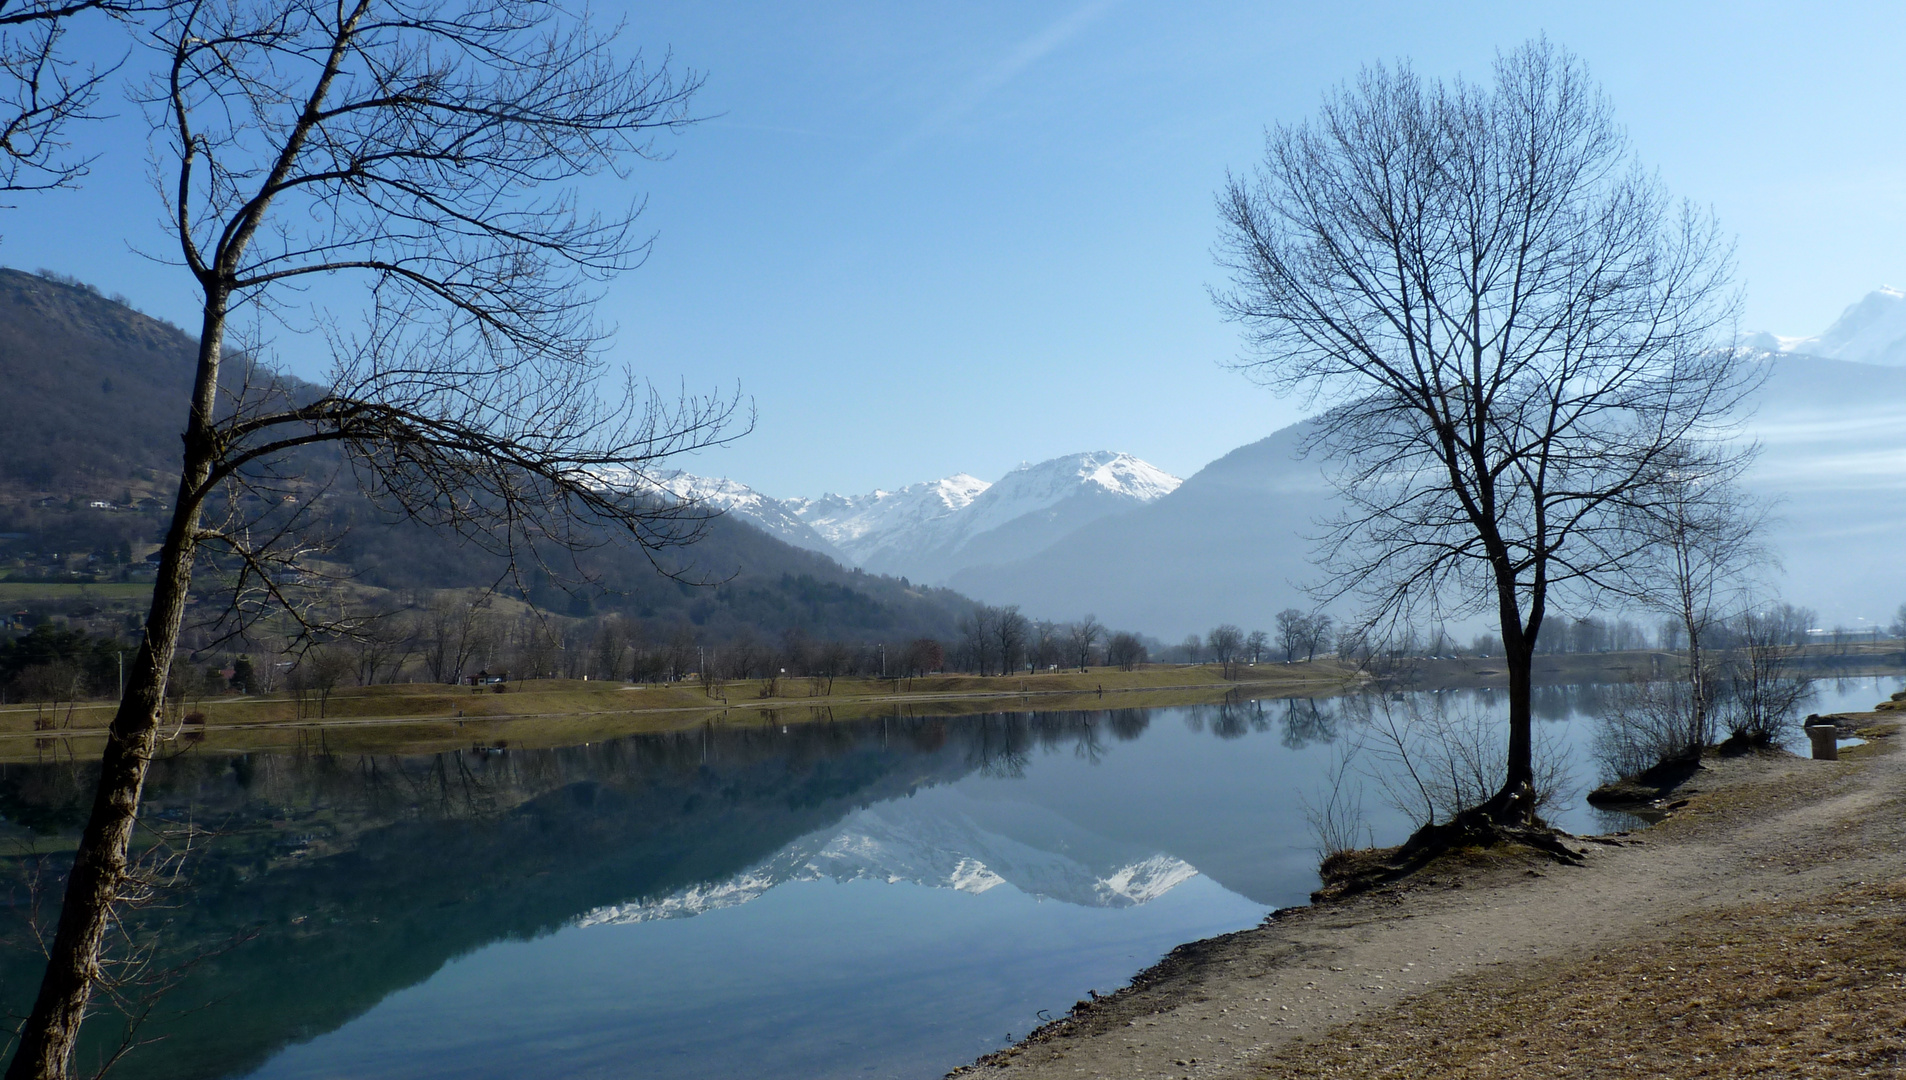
[1760,930]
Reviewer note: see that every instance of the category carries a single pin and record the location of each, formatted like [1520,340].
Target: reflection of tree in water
[1307,721]
[1001,744]
[1436,754]
[1128,724]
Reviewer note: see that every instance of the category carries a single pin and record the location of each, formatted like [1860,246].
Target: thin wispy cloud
[1007,68]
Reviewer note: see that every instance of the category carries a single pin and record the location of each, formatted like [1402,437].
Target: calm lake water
[873,899]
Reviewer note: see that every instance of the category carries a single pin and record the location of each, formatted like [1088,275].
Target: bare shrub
[1647,724]
[1763,693]
[1436,759]
[1335,813]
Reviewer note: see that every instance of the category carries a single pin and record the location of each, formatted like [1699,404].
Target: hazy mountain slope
[87,383]
[1228,544]
[1232,544]
[1833,453]
[96,395]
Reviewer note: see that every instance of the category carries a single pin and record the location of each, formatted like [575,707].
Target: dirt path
[1756,834]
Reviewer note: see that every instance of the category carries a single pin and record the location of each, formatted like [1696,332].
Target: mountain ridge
[931,530]
[1872,330]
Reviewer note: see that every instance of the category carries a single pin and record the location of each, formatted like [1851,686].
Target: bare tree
[1256,644]
[455,631]
[922,656]
[1125,651]
[831,661]
[1514,327]
[319,671]
[1763,692]
[1698,565]
[384,646]
[1319,630]
[976,636]
[1293,626]
[1049,644]
[1083,636]
[1192,648]
[425,151]
[1226,643]
[610,648]
[1010,632]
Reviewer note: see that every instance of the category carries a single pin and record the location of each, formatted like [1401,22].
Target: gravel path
[1754,831]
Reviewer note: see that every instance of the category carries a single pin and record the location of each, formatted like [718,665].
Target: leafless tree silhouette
[401,180]
[1514,329]
[43,91]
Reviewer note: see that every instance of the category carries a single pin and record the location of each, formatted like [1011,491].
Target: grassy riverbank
[423,718]
[1757,931]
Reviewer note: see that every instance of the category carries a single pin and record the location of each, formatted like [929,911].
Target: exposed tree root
[1647,786]
[1349,872]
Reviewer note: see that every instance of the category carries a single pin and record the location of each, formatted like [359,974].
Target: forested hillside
[89,450]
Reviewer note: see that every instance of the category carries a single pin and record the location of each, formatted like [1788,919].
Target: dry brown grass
[420,717]
[1814,988]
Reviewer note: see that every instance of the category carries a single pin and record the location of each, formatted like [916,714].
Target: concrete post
[1825,741]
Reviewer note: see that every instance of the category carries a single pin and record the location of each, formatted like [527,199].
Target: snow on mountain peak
[731,497]
[1032,488]
[929,530]
[859,524]
[1872,331]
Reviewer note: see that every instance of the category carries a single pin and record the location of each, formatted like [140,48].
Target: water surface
[887,898]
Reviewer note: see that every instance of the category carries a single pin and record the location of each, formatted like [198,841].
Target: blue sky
[931,239]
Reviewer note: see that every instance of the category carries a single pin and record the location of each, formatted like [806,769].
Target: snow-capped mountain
[1872,331]
[931,531]
[898,842]
[761,511]
[861,525]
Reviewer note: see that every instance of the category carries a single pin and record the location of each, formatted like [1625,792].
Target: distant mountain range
[1236,541]
[96,395]
[929,532]
[1110,535]
[95,390]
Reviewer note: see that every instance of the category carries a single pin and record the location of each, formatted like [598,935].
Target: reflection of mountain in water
[329,882]
[924,841]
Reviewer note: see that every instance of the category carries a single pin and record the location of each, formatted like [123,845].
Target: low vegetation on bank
[422,717]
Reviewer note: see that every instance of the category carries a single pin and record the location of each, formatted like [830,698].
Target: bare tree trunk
[1514,803]
[1697,682]
[100,862]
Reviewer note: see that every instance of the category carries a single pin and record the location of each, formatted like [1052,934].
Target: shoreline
[539,714]
[1427,975]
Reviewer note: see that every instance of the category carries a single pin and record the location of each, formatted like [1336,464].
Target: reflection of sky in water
[917,933]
